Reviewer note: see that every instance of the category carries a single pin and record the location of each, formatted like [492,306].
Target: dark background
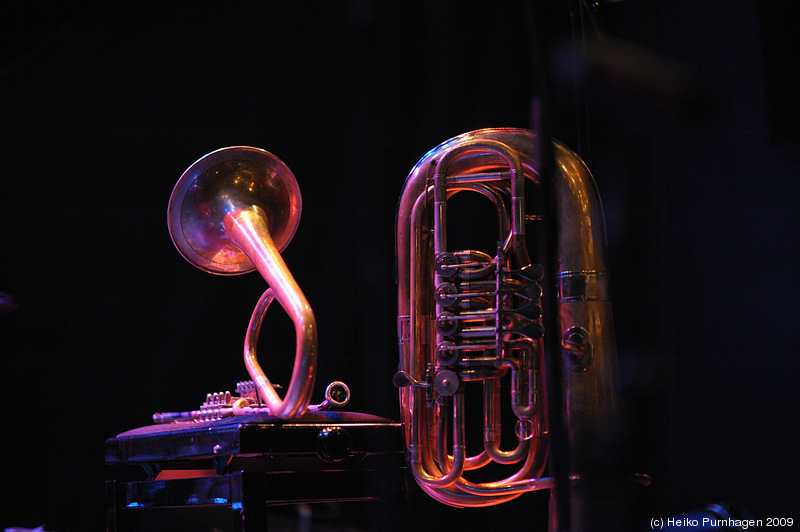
[686,112]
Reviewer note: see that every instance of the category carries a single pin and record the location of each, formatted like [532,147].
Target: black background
[689,123]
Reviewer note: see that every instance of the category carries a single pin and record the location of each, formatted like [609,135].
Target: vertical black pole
[559,460]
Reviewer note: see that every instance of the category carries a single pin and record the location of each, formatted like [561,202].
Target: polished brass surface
[227,181]
[468,319]
[233,211]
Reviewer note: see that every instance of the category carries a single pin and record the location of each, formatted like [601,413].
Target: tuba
[471,323]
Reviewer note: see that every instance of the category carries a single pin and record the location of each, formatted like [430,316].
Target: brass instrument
[239,454]
[232,211]
[468,319]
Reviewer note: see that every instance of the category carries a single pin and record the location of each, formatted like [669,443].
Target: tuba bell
[471,322]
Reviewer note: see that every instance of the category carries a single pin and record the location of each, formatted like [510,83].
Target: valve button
[446,382]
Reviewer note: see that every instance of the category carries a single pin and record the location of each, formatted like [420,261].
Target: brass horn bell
[219,183]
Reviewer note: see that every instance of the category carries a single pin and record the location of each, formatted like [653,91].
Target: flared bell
[225,180]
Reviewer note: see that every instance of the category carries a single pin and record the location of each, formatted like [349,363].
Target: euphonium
[471,319]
